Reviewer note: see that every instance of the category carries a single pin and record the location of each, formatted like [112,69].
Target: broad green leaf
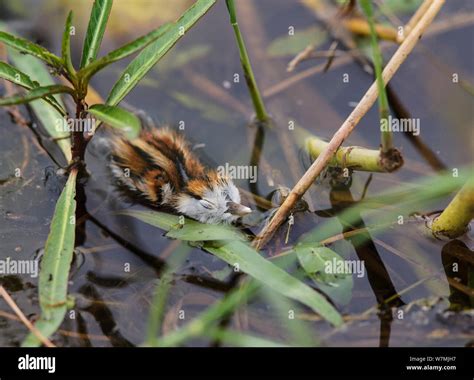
[28,47]
[118,118]
[36,93]
[250,262]
[147,58]
[292,45]
[122,52]
[95,30]
[324,266]
[55,265]
[66,45]
[16,76]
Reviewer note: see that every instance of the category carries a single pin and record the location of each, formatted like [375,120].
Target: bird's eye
[225,193]
[206,204]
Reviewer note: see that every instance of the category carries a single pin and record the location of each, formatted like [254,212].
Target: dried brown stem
[9,300]
[346,128]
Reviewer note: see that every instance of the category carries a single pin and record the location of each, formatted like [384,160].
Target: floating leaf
[292,45]
[28,47]
[137,69]
[118,118]
[95,30]
[58,252]
[322,264]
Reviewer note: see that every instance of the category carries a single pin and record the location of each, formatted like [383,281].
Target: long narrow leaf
[95,30]
[118,118]
[66,45]
[58,252]
[16,76]
[241,255]
[28,47]
[36,93]
[46,114]
[122,52]
[147,58]
[250,262]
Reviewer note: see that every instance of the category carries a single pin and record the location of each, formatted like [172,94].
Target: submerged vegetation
[307,274]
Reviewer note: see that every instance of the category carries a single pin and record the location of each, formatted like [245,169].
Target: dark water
[117,266]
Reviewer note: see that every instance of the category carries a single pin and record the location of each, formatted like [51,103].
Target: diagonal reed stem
[349,124]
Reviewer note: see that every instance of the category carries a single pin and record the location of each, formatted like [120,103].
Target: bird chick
[160,169]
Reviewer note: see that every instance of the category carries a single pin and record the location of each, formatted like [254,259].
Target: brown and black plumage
[160,169]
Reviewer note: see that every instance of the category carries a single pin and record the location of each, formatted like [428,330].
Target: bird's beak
[238,209]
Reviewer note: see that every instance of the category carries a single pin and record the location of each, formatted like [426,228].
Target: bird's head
[211,199]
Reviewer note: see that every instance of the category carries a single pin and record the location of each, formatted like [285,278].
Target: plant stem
[346,128]
[77,139]
[259,107]
[455,218]
[353,157]
[378,63]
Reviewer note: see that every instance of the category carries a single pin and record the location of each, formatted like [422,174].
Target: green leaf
[132,47]
[236,252]
[321,264]
[137,69]
[118,118]
[191,230]
[55,265]
[292,45]
[28,47]
[66,46]
[95,30]
[195,231]
[155,218]
[36,93]
[250,262]
[46,114]
[14,75]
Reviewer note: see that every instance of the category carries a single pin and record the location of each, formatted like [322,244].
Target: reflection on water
[119,260]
